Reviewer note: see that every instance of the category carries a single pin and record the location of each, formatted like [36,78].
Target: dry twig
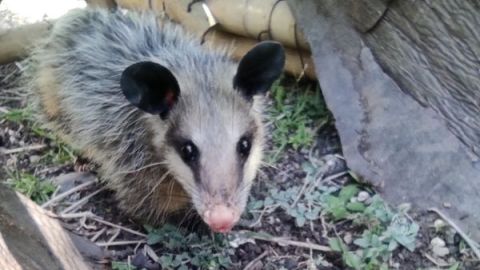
[99,220]
[120,243]
[438,264]
[27,148]
[98,234]
[67,193]
[472,244]
[287,242]
[253,263]
[82,201]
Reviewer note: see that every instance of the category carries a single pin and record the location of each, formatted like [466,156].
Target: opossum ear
[259,68]
[151,87]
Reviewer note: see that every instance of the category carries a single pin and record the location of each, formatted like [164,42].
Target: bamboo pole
[298,62]
[271,19]
[102,3]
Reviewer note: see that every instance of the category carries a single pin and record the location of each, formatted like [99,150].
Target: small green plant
[380,230]
[186,250]
[384,232]
[18,115]
[32,187]
[340,206]
[295,114]
[122,266]
[60,154]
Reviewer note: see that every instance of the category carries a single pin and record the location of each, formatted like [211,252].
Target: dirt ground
[270,235]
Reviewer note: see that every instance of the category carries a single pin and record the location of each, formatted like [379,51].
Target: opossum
[171,123]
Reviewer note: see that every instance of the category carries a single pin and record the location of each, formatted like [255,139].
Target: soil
[285,173]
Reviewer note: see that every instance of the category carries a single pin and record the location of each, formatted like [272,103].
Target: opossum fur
[75,76]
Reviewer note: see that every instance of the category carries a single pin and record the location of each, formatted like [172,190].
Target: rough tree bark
[402,79]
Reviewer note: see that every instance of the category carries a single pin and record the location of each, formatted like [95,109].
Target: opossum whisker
[143,168]
[139,204]
[186,217]
[169,200]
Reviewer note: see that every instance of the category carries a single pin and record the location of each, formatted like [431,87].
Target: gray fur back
[89,49]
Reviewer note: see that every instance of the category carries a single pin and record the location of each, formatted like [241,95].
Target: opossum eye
[189,152]
[243,147]
[259,68]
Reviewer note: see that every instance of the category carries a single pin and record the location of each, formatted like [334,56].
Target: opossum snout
[220,218]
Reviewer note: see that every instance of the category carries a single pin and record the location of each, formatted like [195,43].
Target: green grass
[59,154]
[18,115]
[122,266]
[296,113]
[29,185]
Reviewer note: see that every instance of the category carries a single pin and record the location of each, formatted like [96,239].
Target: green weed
[122,266]
[30,186]
[18,115]
[58,155]
[295,114]
[61,154]
[381,230]
[187,250]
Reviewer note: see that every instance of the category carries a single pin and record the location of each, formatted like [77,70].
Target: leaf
[362,242]
[254,205]
[166,261]
[455,266]
[336,207]
[356,206]
[300,220]
[348,192]
[392,246]
[404,232]
[122,266]
[352,260]
[268,201]
[153,238]
[335,244]
[147,227]
[384,266]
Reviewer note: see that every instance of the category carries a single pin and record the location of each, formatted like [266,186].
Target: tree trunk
[402,79]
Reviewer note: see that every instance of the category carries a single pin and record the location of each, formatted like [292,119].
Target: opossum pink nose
[220,218]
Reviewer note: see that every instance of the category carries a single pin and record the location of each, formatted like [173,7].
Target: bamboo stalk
[259,18]
[298,62]
[102,3]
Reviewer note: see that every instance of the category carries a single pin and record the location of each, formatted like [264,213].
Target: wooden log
[14,43]
[31,239]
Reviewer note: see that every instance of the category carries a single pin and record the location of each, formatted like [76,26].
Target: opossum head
[209,133]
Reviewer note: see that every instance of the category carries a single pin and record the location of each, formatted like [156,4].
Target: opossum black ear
[150,87]
[259,68]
